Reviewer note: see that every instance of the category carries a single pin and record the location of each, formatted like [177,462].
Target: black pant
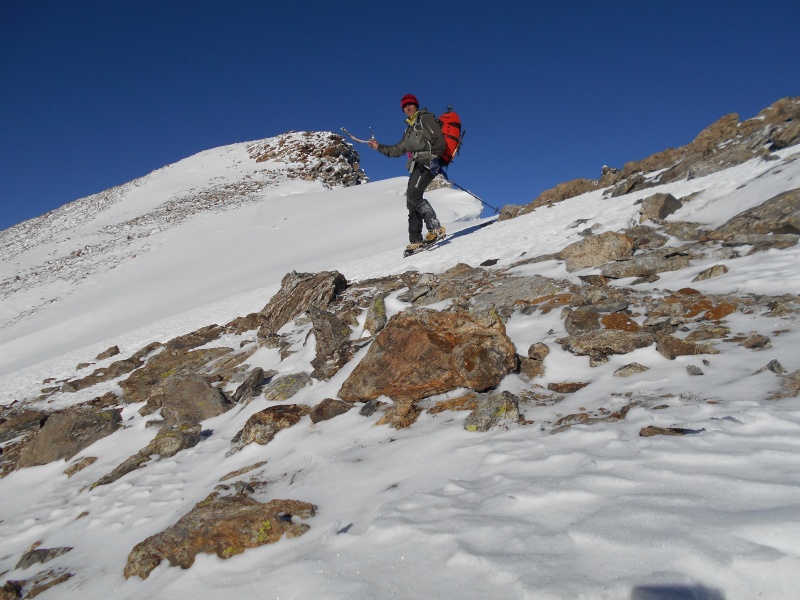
[419,209]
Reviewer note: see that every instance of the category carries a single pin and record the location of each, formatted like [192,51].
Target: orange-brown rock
[224,526]
[425,352]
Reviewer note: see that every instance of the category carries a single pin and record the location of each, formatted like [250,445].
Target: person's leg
[417,183]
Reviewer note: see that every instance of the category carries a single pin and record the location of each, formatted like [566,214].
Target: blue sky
[97,93]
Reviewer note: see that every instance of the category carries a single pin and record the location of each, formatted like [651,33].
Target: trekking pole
[454,184]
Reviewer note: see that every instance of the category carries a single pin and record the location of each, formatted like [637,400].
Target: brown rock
[671,347]
[225,526]
[262,427]
[714,271]
[567,387]
[300,292]
[187,401]
[583,318]
[67,433]
[423,353]
[328,409]
[597,250]
[599,344]
[658,207]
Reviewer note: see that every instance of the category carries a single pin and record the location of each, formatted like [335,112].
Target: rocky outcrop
[323,156]
[300,292]
[221,525]
[723,144]
[423,353]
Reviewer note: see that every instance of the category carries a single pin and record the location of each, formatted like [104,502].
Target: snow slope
[432,511]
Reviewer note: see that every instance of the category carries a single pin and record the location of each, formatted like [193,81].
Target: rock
[299,292]
[708,332]
[250,387]
[112,351]
[630,369]
[645,238]
[597,250]
[187,401]
[658,207]
[756,341]
[149,379]
[693,370]
[671,347]
[774,366]
[493,410]
[370,407]
[424,352]
[645,265]
[400,416]
[167,442]
[322,156]
[334,349]
[64,434]
[262,427]
[328,409]
[790,387]
[714,271]
[376,315]
[40,555]
[778,215]
[583,318]
[652,430]
[599,344]
[225,526]
[283,388]
[619,321]
[116,369]
[79,465]
[538,351]
[567,387]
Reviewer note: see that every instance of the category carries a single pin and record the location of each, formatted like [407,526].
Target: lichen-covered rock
[424,352]
[492,410]
[282,388]
[221,525]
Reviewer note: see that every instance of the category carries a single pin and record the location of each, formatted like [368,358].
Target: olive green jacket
[422,140]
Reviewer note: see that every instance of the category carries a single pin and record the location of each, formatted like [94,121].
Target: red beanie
[409,99]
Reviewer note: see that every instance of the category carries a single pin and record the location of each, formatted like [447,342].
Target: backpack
[451,129]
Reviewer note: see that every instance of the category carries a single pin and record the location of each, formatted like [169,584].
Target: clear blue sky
[96,93]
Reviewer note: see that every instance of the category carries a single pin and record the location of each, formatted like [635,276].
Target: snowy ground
[432,511]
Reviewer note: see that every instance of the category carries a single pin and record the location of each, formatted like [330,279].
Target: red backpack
[451,128]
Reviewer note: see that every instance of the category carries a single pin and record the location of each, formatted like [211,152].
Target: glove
[434,168]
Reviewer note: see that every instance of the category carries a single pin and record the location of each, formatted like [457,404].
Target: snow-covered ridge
[97,233]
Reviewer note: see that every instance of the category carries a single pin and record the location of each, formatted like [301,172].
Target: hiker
[424,143]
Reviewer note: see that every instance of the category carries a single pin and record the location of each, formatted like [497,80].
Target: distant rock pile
[323,156]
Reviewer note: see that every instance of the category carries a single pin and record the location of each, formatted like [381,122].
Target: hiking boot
[414,246]
[434,235]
